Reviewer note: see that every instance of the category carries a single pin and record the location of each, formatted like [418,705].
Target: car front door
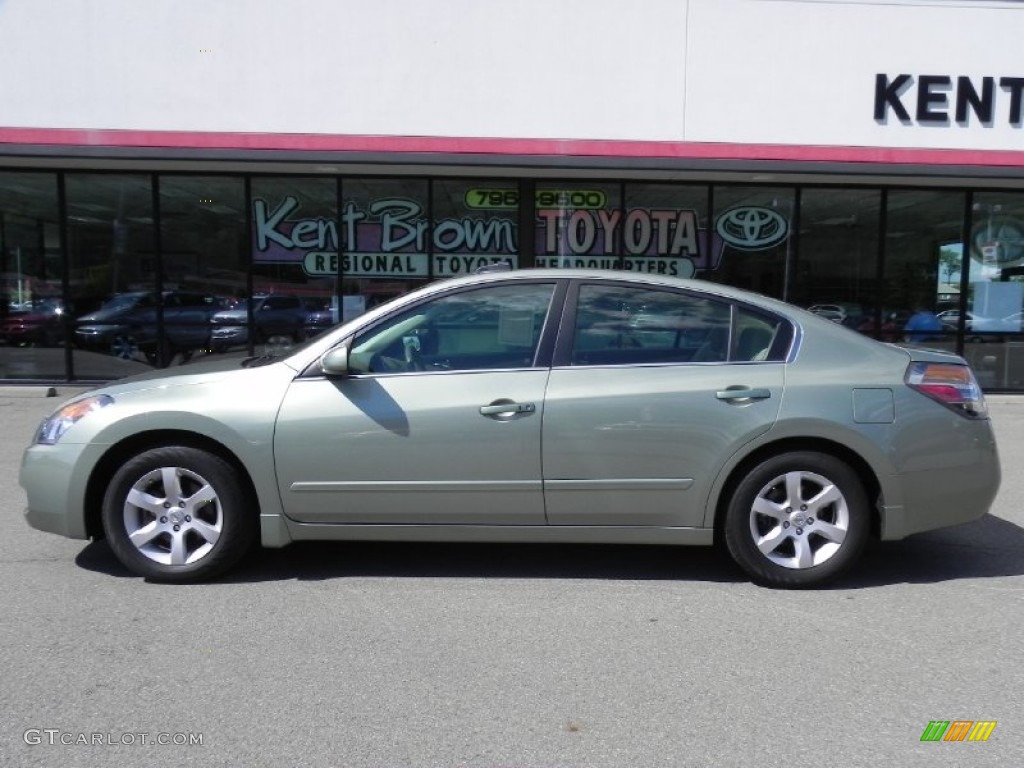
[438,421]
[650,393]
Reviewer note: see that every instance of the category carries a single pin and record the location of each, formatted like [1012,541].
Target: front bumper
[233,334]
[97,336]
[55,478]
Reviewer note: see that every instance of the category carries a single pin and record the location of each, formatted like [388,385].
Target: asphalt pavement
[429,655]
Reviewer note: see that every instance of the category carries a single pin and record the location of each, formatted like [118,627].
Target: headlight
[54,426]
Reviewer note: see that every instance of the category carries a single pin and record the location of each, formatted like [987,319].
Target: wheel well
[867,476]
[119,453]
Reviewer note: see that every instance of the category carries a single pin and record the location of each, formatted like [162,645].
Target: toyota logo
[752,228]
[998,241]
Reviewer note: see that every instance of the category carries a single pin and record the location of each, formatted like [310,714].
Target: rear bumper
[942,496]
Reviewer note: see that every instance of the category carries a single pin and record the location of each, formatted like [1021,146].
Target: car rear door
[651,391]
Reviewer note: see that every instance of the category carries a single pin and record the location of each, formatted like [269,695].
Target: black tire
[226,514]
[796,553]
[152,355]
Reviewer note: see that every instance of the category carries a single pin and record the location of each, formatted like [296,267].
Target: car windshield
[123,300]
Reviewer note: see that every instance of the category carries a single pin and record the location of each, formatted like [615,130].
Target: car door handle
[743,394]
[506,409]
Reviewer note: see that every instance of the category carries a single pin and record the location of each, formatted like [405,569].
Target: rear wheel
[159,355]
[178,514]
[797,520]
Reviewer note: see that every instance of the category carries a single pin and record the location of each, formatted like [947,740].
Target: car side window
[483,328]
[755,336]
[625,325]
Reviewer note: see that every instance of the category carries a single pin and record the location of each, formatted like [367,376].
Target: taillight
[952,385]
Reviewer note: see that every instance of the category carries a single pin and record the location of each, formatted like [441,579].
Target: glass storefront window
[112,264]
[387,235]
[921,272]
[204,256]
[235,274]
[664,230]
[753,237]
[578,225]
[475,223]
[836,271]
[995,302]
[296,239]
[31,304]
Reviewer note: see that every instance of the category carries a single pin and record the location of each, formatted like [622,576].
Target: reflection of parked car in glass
[994,329]
[1013,323]
[892,325]
[278,319]
[1009,324]
[845,313]
[127,324]
[951,319]
[40,323]
[833,312]
[318,321]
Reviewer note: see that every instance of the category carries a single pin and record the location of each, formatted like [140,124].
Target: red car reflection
[42,325]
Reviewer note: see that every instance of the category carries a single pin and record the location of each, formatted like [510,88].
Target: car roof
[610,275]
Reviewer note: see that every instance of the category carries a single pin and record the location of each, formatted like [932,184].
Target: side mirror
[335,362]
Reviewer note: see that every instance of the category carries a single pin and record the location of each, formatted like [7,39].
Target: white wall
[525,69]
[804,72]
[745,71]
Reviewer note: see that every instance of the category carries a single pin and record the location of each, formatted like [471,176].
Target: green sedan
[532,406]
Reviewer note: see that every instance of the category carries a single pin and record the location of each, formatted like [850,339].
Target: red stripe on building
[442,145]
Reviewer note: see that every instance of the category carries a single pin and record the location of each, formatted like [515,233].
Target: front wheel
[123,347]
[178,514]
[797,520]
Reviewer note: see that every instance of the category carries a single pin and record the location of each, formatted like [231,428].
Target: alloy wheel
[173,516]
[123,347]
[799,519]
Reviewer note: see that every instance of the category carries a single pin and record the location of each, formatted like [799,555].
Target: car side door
[438,419]
[651,390]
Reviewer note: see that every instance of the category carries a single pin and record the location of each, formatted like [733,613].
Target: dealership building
[861,158]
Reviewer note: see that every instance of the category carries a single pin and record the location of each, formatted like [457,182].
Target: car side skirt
[563,534]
